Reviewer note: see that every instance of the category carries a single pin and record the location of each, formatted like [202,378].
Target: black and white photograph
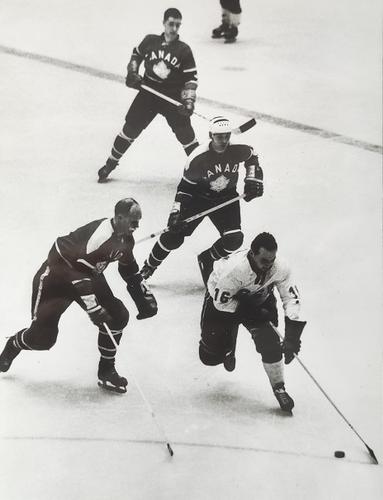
[191,288]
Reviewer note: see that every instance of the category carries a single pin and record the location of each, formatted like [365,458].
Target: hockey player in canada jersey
[210,178]
[170,69]
[73,272]
[240,291]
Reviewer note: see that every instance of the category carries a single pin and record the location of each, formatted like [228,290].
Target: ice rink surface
[310,72]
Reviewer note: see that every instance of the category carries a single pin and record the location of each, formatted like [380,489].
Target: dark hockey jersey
[209,174]
[168,65]
[90,248]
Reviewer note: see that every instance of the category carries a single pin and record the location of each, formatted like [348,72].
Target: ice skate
[9,353]
[105,171]
[231,34]
[109,379]
[205,263]
[229,361]
[219,32]
[147,270]
[285,401]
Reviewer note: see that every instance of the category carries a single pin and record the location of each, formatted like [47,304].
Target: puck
[339,454]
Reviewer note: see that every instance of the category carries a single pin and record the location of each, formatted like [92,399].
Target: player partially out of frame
[170,69]
[73,272]
[231,18]
[240,291]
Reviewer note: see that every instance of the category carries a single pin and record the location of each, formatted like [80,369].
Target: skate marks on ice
[274,120]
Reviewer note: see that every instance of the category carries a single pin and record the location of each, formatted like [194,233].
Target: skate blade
[288,413]
[112,388]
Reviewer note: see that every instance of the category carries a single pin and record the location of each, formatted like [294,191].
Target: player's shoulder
[150,39]
[92,225]
[182,45]
[198,154]
[235,264]
[281,268]
[243,151]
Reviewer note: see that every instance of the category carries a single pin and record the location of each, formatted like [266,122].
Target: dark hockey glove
[143,298]
[175,222]
[187,108]
[253,189]
[99,315]
[133,80]
[291,344]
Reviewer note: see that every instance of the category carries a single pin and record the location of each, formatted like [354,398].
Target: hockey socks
[275,373]
[108,377]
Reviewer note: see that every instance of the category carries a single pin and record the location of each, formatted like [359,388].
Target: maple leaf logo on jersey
[101,266]
[115,254]
[219,184]
[161,70]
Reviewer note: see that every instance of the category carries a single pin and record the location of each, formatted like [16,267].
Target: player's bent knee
[267,343]
[172,241]
[120,318]
[232,241]
[130,132]
[272,355]
[44,340]
[209,358]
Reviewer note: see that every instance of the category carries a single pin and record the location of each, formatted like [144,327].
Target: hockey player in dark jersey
[170,69]
[231,18]
[72,272]
[210,178]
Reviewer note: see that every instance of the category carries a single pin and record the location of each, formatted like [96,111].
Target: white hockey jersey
[234,274]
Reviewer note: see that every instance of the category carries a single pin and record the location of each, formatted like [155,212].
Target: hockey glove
[133,80]
[187,108]
[143,298]
[99,315]
[253,189]
[188,97]
[291,344]
[175,222]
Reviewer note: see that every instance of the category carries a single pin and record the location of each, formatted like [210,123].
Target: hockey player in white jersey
[240,291]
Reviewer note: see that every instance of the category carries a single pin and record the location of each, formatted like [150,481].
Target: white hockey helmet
[220,125]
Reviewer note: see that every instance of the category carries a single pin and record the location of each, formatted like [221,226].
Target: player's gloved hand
[98,315]
[188,97]
[187,108]
[175,222]
[291,344]
[148,308]
[253,188]
[133,80]
[143,298]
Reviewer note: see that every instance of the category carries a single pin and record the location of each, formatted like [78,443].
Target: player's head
[127,215]
[172,22]
[262,252]
[219,133]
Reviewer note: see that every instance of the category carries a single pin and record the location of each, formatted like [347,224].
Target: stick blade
[372,455]
[245,126]
[170,449]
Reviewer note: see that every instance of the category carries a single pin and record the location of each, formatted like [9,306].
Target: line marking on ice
[185,444]
[274,120]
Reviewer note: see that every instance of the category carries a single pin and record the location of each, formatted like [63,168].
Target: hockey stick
[370,451]
[148,405]
[238,130]
[194,217]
